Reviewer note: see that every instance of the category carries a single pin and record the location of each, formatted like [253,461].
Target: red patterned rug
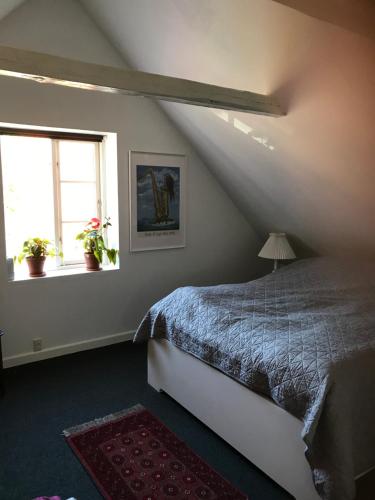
[131,455]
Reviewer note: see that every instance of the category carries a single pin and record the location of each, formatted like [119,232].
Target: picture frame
[157,196]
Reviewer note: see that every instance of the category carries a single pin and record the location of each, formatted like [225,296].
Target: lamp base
[274,265]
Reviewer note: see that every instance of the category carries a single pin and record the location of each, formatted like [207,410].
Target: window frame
[56,138]
[57,182]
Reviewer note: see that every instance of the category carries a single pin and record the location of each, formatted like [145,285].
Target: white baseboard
[53,352]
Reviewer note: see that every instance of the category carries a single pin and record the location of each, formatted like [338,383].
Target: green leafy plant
[37,247]
[93,240]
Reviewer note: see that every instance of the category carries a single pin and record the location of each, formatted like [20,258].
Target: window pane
[73,249]
[78,201]
[77,161]
[28,190]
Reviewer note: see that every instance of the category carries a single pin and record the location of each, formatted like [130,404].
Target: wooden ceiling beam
[49,69]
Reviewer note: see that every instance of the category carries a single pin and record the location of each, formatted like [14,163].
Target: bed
[283,368]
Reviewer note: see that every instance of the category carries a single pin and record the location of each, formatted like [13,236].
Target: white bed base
[263,432]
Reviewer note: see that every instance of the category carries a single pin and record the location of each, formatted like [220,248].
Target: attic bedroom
[187,271]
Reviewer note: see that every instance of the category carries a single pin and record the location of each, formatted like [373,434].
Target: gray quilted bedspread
[303,336]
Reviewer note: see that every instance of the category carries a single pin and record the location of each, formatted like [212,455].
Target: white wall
[220,244]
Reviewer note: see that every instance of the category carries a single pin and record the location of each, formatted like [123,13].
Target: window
[51,187]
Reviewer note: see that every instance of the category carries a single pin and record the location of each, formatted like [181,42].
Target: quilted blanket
[305,337]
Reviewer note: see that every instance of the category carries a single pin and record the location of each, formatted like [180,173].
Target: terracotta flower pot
[36,266]
[92,263]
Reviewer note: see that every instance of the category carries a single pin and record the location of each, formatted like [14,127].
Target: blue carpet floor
[44,398]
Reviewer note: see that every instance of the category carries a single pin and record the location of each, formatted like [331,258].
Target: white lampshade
[277,247]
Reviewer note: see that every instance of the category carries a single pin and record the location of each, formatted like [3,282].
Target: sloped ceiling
[354,15]
[311,173]
[6,7]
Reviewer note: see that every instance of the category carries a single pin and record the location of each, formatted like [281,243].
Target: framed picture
[157,200]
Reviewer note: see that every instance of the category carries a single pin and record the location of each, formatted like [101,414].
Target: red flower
[94,223]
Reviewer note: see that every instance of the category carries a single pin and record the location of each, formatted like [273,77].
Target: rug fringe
[98,421]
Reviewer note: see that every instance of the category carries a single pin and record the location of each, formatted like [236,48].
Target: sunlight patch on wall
[244,128]
[224,115]
[238,124]
[263,141]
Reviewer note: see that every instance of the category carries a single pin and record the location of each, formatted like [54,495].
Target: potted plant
[94,245]
[36,250]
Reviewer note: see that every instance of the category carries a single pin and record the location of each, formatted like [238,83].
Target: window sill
[22,276]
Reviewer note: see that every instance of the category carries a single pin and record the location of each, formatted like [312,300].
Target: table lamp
[277,247]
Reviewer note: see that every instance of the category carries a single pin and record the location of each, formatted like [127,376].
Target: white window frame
[57,182]
[106,164]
